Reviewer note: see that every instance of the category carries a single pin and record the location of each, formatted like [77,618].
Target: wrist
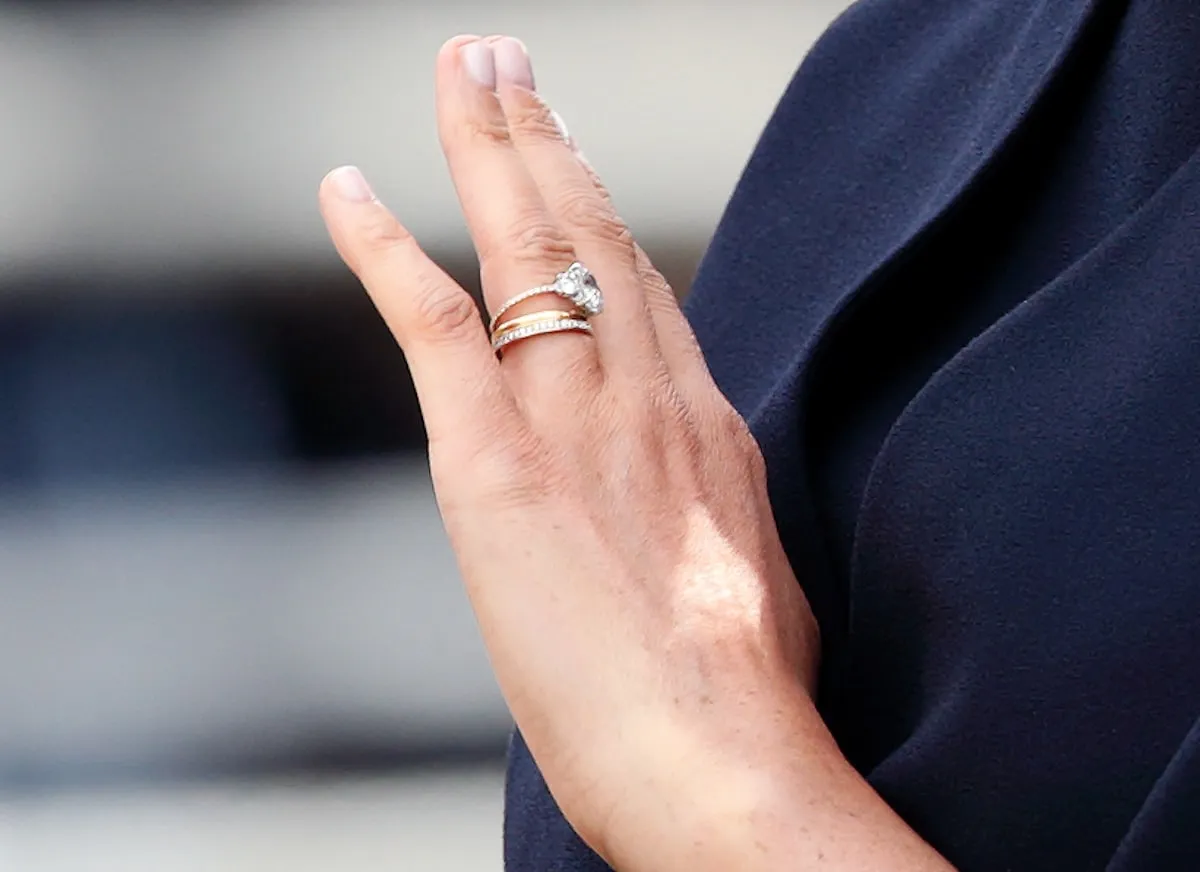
[719,794]
[782,797]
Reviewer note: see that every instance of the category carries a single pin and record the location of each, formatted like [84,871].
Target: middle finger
[519,243]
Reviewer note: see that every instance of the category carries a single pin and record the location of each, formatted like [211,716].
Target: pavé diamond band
[537,324]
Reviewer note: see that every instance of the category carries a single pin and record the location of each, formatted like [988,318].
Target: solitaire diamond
[579,286]
[575,283]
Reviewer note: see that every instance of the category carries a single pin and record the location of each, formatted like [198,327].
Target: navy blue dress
[957,297]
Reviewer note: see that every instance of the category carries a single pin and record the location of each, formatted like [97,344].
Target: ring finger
[520,246]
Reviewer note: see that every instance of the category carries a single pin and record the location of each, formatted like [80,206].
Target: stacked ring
[575,284]
[538,324]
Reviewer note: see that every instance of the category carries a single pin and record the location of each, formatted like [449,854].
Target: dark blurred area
[127,385]
[222,573]
[105,391]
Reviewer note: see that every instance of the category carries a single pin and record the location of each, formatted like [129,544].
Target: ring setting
[576,284]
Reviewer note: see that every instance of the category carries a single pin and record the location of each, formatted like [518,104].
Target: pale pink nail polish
[512,63]
[350,184]
[479,62]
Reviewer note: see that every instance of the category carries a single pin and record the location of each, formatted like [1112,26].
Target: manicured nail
[351,185]
[479,62]
[512,63]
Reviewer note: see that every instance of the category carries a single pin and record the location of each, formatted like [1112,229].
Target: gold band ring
[537,324]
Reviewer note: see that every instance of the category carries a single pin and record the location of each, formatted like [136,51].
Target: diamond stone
[579,286]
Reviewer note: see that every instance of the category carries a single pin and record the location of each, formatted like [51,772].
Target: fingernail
[512,63]
[479,62]
[351,185]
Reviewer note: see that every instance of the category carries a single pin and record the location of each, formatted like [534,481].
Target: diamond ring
[575,283]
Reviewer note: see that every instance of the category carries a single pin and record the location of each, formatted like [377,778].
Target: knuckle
[733,427]
[382,232]
[537,241]
[489,130]
[592,213]
[660,295]
[665,400]
[653,279]
[530,239]
[528,116]
[679,422]
[740,438]
[446,314]
[756,462]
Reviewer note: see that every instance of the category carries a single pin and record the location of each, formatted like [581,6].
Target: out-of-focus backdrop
[231,632]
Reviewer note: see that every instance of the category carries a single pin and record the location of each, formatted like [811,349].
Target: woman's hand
[607,506]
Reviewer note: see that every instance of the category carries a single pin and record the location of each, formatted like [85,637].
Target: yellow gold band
[537,324]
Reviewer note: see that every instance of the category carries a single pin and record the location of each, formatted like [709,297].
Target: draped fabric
[957,296]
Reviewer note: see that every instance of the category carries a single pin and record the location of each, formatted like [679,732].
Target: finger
[624,332]
[638,296]
[676,339]
[519,244]
[435,321]
[678,342]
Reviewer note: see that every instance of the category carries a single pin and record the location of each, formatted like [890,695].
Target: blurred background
[231,632]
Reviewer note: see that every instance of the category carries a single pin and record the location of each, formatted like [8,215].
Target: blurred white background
[231,635]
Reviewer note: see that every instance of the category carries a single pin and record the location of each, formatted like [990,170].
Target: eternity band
[537,324]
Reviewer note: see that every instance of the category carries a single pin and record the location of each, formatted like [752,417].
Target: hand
[607,506]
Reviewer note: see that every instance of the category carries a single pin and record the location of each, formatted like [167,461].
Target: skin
[609,512]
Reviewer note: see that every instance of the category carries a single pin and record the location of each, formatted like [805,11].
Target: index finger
[435,321]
